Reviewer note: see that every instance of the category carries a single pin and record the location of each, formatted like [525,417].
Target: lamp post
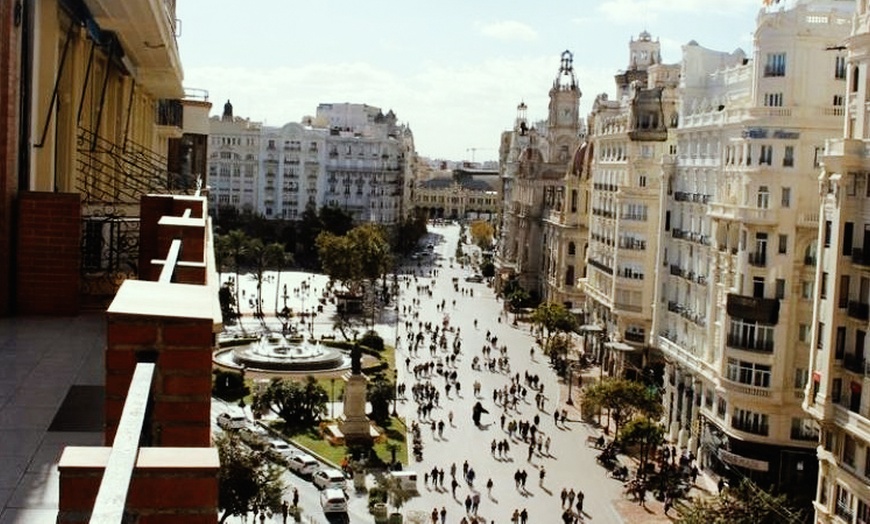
[332,398]
[395,392]
[570,401]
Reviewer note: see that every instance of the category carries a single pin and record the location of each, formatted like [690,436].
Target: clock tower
[563,124]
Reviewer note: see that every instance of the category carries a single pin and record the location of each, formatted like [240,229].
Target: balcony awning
[619,346]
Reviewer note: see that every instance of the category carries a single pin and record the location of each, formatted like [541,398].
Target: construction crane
[476,149]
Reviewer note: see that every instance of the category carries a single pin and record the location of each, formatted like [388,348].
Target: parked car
[255,437]
[474,278]
[281,449]
[229,422]
[303,464]
[329,478]
[333,500]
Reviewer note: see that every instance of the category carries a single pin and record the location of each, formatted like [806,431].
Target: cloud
[509,30]
[631,12]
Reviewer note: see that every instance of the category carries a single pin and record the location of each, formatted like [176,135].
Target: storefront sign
[743,462]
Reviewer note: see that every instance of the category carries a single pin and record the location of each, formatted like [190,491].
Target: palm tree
[264,257]
[237,244]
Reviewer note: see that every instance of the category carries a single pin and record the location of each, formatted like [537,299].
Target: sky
[454,71]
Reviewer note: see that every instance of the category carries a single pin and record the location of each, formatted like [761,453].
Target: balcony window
[750,336]
[843,508]
[749,421]
[775,65]
[748,373]
[805,429]
[763,198]
[840,67]
[788,157]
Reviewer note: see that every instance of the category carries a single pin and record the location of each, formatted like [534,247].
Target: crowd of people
[439,366]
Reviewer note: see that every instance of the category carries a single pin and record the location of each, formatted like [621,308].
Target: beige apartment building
[632,139]
[737,273]
[838,391]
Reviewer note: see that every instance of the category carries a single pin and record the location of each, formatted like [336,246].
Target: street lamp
[570,401]
[332,398]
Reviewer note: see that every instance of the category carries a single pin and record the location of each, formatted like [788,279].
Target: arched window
[572,249]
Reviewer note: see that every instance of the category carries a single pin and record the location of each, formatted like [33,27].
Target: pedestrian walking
[564,496]
[489,487]
[580,497]
[443,515]
[571,496]
[524,516]
[541,474]
[295,498]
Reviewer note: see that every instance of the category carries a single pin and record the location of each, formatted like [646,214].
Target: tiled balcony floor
[40,359]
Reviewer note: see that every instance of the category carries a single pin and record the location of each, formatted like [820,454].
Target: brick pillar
[170,324]
[151,209]
[168,486]
[49,253]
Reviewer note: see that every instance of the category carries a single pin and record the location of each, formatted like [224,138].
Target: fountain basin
[277,352]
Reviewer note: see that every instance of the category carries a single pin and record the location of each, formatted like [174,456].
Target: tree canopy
[245,481]
[482,234]
[300,404]
[623,399]
[553,318]
[745,503]
[361,256]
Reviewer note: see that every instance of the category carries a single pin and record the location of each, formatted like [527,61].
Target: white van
[303,464]
[407,479]
[333,500]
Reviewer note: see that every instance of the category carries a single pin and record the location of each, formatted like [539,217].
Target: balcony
[763,310]
[855,364]
[676,270]
[750,344]
[758,259]
[599,265]
[858,310]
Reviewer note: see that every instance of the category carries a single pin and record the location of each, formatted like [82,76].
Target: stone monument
[354,424]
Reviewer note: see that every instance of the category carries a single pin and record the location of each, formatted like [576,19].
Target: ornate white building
[735,284]
[350,156]
[838,390]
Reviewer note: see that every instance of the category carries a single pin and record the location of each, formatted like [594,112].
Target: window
[840,67]
[843,301]
[779,291]
[800,378]
[786,197]
[804,429]
[788,157]
[775,65]
[820,335]
[721,407]
[817,156]
[750,336]
[843,508]
[772,99]
[839,100]
[823,290]
[848,238]
[803,334]
[748,373]
[641,181]
[783,244]
[763,198]
[827,233]
[750,422]
[766,156]
[849,451]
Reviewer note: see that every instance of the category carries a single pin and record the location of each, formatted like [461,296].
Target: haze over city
[454,71]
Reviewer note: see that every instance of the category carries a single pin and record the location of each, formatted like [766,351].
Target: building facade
[463,193]
[633,141]
[734,300]
[533,163]
[350,156]
[96,116]
[838,391]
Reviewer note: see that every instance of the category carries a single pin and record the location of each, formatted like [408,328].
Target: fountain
[277,352]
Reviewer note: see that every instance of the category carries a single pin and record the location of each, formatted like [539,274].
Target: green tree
[552,318]
[380,392]
[299,404]
[356,260]
[482,234]
[623,399]
[245,481]
[745,503]
[647,434]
